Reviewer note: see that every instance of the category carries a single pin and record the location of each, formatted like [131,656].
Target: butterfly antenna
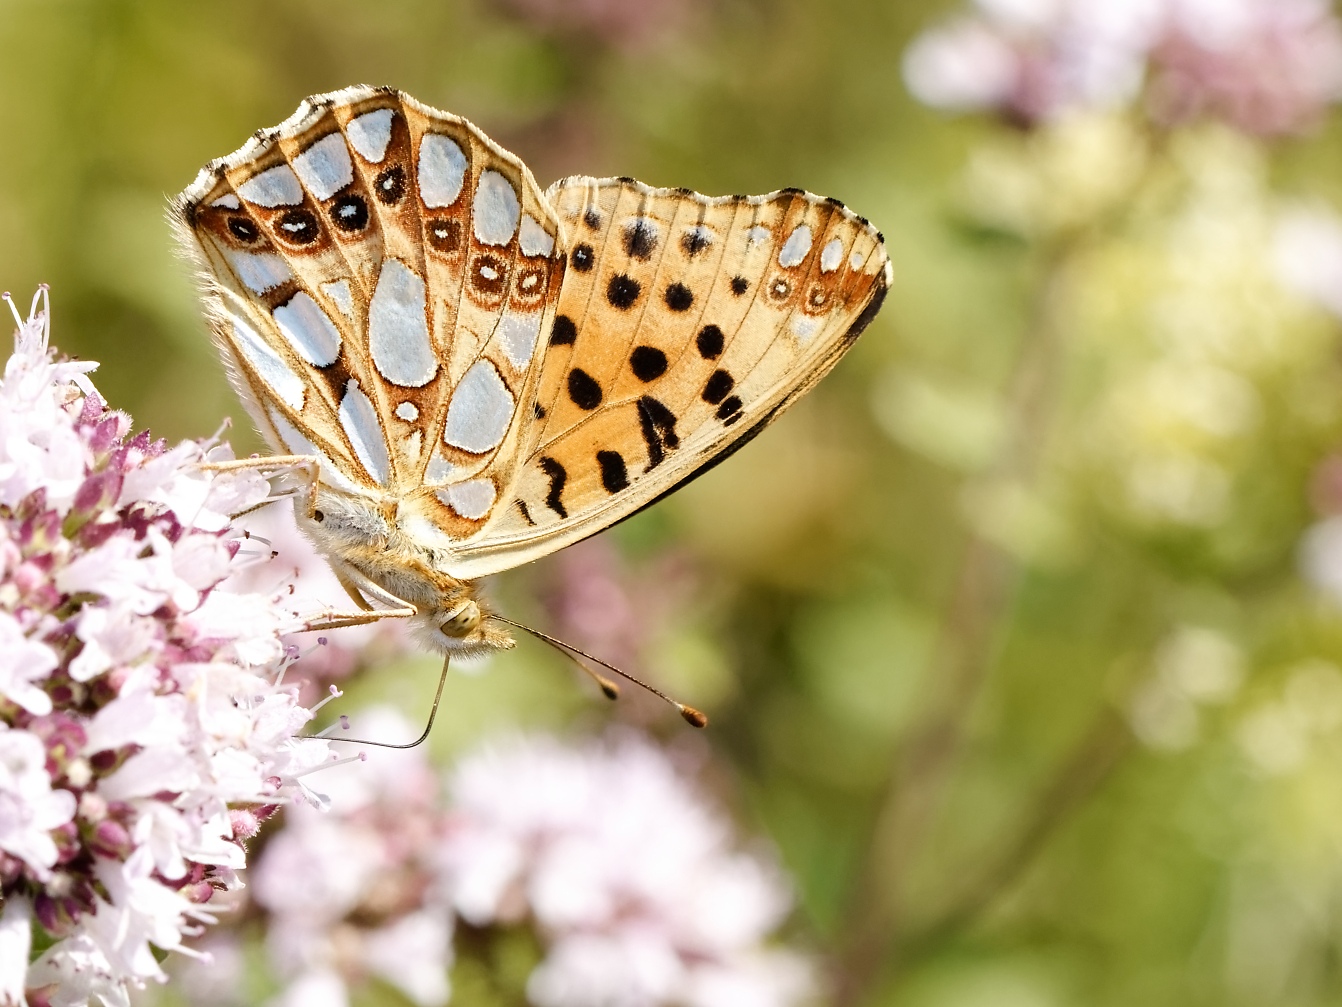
[433,712]
[695,718]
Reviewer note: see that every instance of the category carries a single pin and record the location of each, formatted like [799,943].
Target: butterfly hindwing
[683,326]
[382,275]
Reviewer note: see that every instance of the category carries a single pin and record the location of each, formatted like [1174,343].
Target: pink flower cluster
[628,874]
[1266,66]
[143,736]
[355,892]
[630,880]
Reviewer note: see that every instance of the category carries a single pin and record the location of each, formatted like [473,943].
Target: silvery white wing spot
[479,372]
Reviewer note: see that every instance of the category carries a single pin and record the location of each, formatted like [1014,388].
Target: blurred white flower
[1194,666]
[1320,556]
[627,872]
[1307,254]
[139,716]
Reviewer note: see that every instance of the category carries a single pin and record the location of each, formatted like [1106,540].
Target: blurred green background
[1002,630]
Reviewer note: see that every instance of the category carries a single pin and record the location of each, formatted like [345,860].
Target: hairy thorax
[382,563]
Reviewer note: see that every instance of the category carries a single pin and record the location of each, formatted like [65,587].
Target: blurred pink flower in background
[617,22]
[352,891]
[598,601]
[142,735]
[633,883]
[1265,66]
[629,875]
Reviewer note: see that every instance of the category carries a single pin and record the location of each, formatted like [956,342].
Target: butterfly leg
[343,620]
[308,466]
[360,589]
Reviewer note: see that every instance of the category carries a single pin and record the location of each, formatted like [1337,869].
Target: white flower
[23,663]
[29,808]
[16,940]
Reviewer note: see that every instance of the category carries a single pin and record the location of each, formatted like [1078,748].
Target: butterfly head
[460,625]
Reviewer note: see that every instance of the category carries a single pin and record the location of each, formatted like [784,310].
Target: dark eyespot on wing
[740,285]
[298,227]
[583,257]
[558,476]
[614,474]
[390,185]
[350,213]
[444,235]
[243,229]
[694,241]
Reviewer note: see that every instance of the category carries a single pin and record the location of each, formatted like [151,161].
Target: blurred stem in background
[979,614]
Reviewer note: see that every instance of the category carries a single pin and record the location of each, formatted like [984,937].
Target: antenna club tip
[693,717]
[610,690]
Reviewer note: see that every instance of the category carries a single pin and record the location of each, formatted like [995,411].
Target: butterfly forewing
[384,274]
[507,371]
[684,325]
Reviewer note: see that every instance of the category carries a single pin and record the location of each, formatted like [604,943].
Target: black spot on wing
[719,384]
[583,257]
[740,285]
[243,229]
[640,240]
[350,213]
[679,297]
[730,411]
[558,476]
[444,235]
[583,389]
[623,291]
[592,218]
[564,332]
[298,227]
[526,514]
[658,425]
[710,342]
[614,474]
[648,363]
[694,241]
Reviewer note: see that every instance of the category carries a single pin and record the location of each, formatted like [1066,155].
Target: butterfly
[479,372]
